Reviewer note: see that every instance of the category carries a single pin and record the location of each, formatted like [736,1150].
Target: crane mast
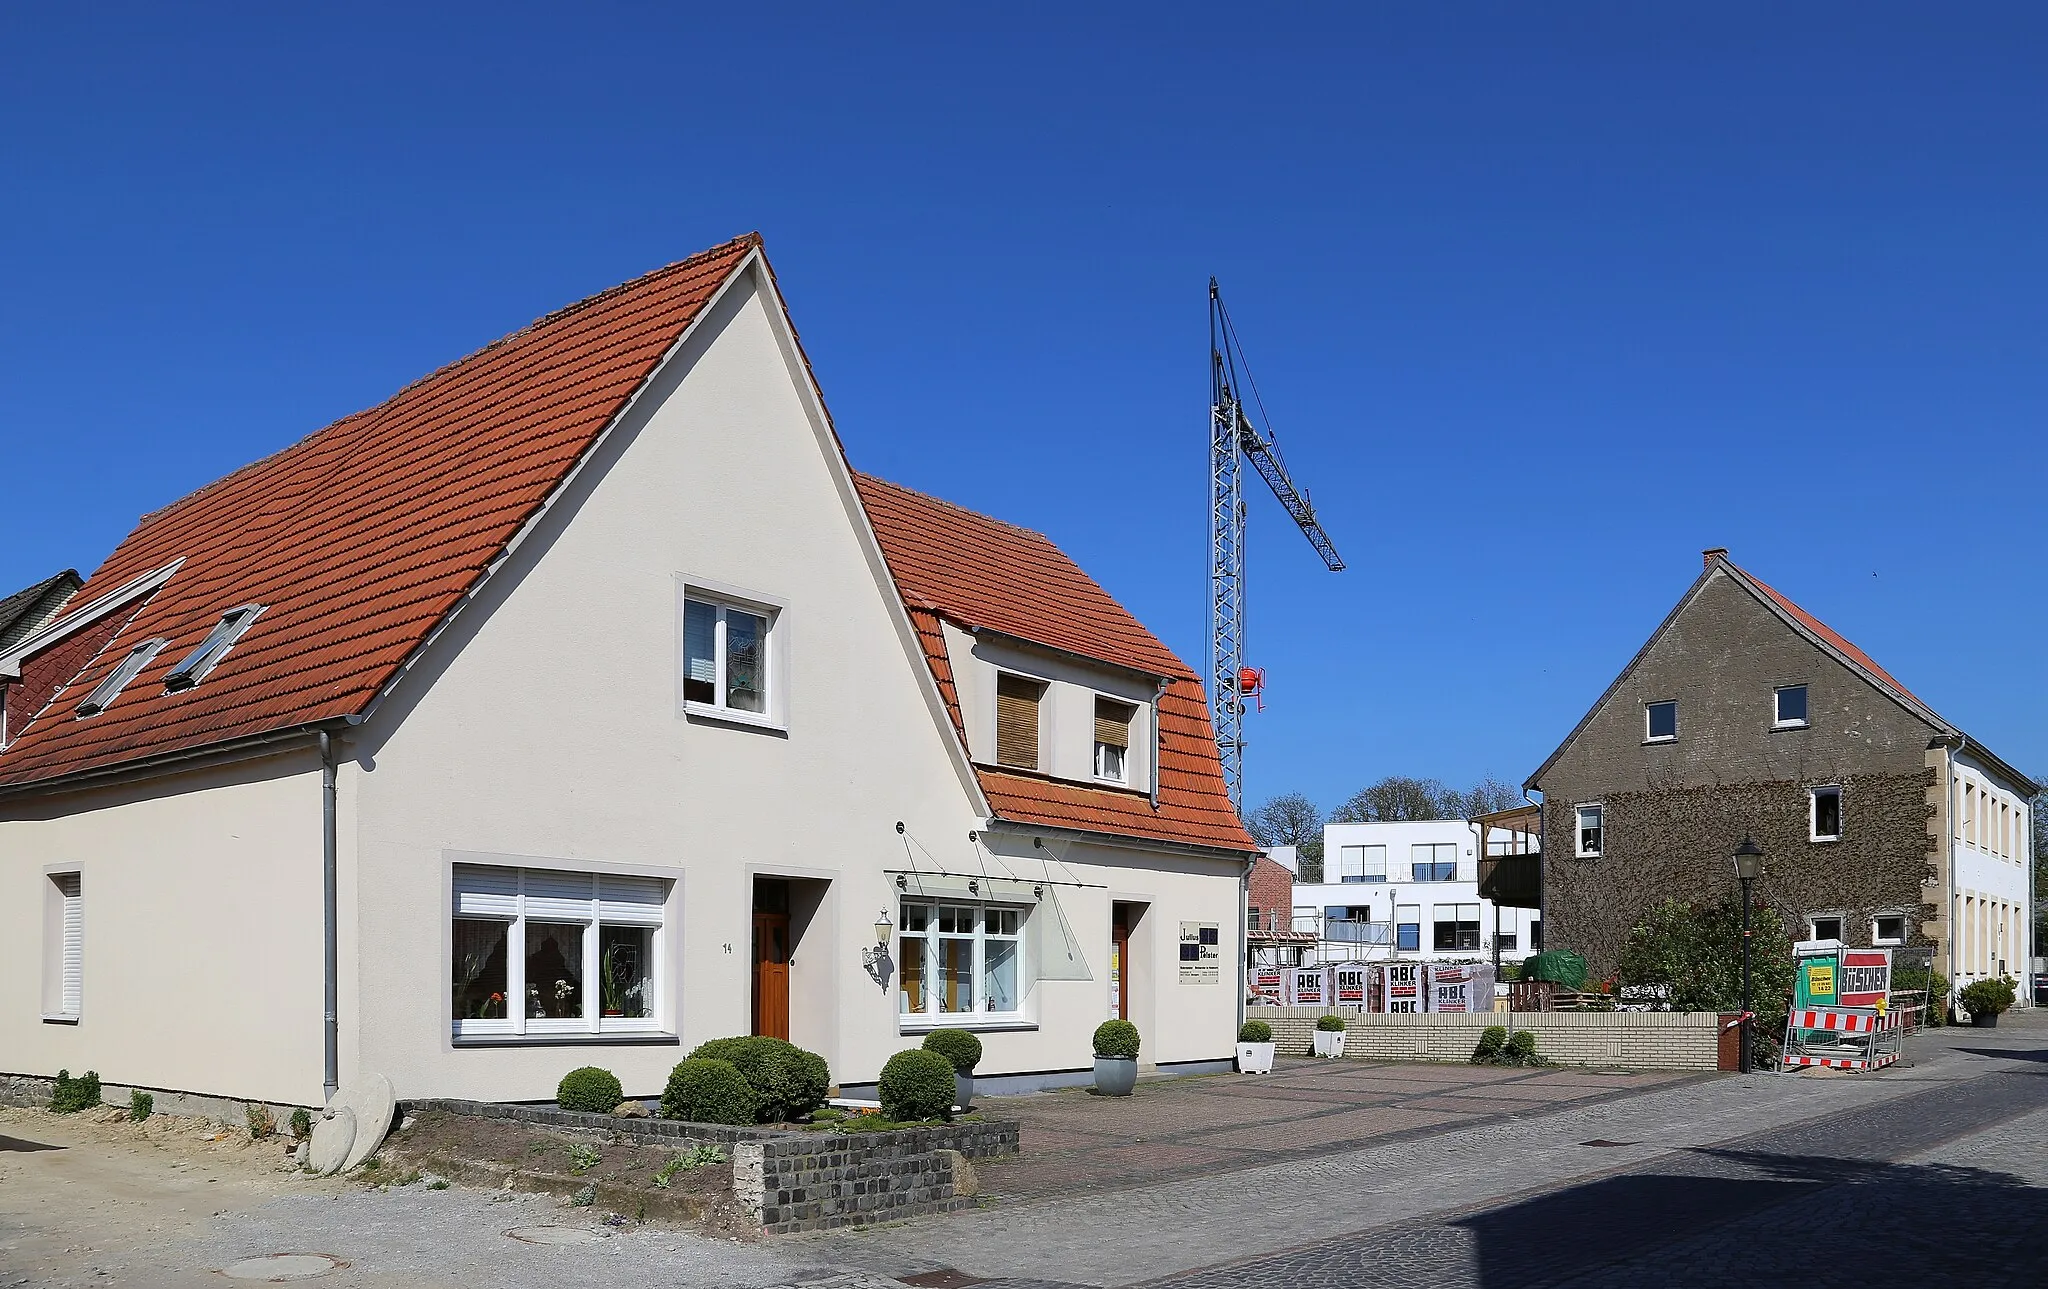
[1232,440]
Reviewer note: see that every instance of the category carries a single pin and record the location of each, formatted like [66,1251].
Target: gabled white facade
[547,792]
[1407,890]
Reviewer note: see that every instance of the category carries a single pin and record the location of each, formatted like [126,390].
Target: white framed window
[1113,738]
[732,656]
[1660,721]
[550,951]
[1888,928]
[1824,814]
[1361,863]
[1408,927]
[1433,861]
[1788,706]
[1824,926]
[1592,820]
[957,959]
[64,946]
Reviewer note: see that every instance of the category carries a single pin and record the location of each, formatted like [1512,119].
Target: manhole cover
[554,1234]
[1602,1141]
[278,1268]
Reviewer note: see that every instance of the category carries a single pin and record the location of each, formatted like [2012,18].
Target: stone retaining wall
[804,1181]
[1633,1040]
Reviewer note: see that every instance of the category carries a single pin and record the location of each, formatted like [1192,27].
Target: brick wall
[1272,894]
[1633,1040]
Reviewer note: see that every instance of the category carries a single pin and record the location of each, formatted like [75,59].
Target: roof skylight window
[210,651]
[117,679]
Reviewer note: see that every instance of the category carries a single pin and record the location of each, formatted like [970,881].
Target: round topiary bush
[1330,1023]
[957,1046]
[917,1085]
[788,1082]
[1522,1048]
[702,1090]
[1493,1040]
[1255,1031]
[1117,1038]
[589,1089]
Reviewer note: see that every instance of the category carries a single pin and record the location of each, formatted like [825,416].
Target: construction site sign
[1865,979]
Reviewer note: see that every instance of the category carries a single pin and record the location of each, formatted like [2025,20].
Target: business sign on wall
[1201,953]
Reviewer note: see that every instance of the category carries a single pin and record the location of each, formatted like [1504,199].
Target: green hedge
[917,1085]
[590,1089]
[702,1090]
[788,1082]
[1117,1038]
[956,1045]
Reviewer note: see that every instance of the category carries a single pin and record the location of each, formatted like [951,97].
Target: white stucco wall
[1401,887]
[1066,718]
[1991,876]
[545,725]
[202,939]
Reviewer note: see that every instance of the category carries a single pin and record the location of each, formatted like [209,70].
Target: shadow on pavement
[25,1147]
[2039,1054]
[1760,1217]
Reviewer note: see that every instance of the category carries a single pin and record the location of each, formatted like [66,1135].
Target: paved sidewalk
[1157,1232]
[1074,1141]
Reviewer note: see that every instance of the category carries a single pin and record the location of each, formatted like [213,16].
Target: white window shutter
[69,886]
[486,892]
[629,899]
[559,897]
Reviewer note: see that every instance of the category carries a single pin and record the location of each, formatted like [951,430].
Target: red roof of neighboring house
[1827,633]
[954,564]
[360,538]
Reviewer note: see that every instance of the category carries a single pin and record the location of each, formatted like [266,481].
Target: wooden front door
[771,974]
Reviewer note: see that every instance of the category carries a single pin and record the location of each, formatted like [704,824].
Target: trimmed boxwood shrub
[72,1095]
[788,1082]
[1330,1023]
[1522,1048]
[917,1084]
[1493,1040]
[1255,1031]
[1987,997]
[957,1046]
[702,1090]
[590,1089]
[1118,1038]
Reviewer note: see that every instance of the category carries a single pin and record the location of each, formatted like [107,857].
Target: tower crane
[1234,439]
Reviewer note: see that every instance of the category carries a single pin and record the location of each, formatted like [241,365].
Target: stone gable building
[1743,715]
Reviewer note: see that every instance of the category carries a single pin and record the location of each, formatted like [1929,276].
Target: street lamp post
[1749,861]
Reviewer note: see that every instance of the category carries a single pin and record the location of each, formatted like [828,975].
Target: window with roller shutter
[1113,738]
[1017,701]
[64,954]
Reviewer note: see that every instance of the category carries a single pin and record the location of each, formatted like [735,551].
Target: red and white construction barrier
[1841,1038]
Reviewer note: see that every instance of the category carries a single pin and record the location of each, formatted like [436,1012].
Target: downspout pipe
[330,924]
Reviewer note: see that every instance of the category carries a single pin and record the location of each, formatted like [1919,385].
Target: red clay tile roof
[1827,633]
[953,564]
[361,537]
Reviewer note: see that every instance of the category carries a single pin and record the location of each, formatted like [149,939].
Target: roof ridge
[749,240]
[965,510]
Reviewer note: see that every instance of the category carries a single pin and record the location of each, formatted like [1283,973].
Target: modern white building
[1407,890]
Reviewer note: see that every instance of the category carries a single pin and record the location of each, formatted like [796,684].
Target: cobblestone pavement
[1412,1208]
[1074,1141]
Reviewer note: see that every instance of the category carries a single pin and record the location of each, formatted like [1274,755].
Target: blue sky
[1543,300]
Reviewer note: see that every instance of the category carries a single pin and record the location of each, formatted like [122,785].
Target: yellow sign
[1820,980]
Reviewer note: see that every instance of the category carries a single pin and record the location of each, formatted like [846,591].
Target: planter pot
[1255,1058]
[963,1089]
[1115,1076]
[1329,1042]
[1984,1020]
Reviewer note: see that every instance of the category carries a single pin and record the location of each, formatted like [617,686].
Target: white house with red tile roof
[601,710]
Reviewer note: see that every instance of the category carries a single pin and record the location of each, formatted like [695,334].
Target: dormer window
[117,680]
[211,650]
[1112,738]
[1017,701]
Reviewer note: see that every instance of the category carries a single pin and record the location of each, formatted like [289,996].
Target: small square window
[1829,928]
[1789,705]
[726,657]
[1825,815]
[1888,930]
[1663,721]
[1592,821]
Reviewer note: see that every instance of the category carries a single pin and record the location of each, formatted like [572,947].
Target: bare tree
[1394,798]
[1291,819]
[1485,797]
